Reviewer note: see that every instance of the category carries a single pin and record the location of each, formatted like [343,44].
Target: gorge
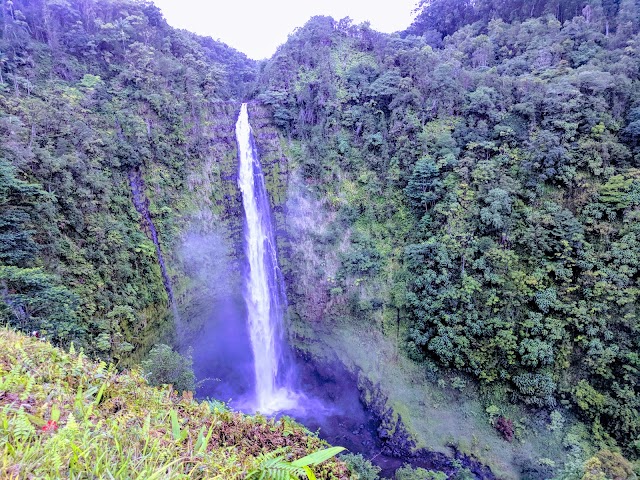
[325,397]
[446,217]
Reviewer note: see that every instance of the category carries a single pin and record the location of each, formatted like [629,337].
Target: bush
[608,464]
[409,473]
[362,467]
[505,427]
[536,388]
[166,366]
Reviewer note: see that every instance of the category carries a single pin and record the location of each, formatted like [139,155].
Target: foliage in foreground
[62,415]
[274,466]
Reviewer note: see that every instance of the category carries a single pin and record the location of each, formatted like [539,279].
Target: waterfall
[263,284]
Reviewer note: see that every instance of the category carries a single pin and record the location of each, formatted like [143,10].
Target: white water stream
[264,289]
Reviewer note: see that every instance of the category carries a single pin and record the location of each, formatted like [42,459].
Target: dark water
[330,400]
[337,413]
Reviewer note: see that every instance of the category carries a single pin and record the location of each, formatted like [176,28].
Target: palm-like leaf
[273,466]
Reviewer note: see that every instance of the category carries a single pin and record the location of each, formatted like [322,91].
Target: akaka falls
[264,292]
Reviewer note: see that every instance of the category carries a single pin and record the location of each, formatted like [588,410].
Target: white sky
[258,27]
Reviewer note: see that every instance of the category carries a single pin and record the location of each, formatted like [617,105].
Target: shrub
[608,464]
[409,473]
[536,388]
[505,427]
[166,366]
[362,467]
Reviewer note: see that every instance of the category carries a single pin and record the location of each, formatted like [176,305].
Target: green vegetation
[360,466]
[274,466]
[477,183]
[95,95]
[408,473]
[164,366]
[63,416]
[466,192]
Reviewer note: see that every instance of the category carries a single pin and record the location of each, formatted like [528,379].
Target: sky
[258,27]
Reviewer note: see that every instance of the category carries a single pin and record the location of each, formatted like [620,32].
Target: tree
[627,20]
[608,465]
[17,199]
[424,185]
[32,300]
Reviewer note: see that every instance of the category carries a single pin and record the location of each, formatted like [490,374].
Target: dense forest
[92,92]
[473,182]
[485,166]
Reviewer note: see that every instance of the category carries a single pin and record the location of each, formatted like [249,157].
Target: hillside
[62,415]
[470,192]
[456,210]
[117,143]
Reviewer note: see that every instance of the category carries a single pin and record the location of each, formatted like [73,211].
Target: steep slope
[475,203]
[118,159]
[466,194]
[62,415]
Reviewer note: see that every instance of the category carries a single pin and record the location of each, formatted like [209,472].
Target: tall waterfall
[264,288]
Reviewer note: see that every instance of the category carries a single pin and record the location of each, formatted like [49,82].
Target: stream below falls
[331,402]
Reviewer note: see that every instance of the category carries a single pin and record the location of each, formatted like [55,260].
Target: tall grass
[64,416]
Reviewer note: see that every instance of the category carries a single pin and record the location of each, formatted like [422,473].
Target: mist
[213,328]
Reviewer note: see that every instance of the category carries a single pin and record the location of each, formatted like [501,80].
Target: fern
[10,380]
[28,387]
[22,427]
[274,467]
[72,425]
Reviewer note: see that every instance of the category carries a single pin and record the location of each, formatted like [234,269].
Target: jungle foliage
[91,92]
[480,172]
[484,175]
[64,416]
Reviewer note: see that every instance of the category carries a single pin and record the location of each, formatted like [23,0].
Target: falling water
[264,288]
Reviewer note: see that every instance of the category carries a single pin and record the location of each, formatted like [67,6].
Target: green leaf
[55,413]
[100,393]
[317,457]
[309,472]
[201,447]
[147,425]
[79,401]
[175,426]
[199,441]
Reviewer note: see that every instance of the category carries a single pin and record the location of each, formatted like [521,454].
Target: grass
[62,415]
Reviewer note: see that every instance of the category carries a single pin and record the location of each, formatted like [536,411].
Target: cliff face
[200,215]
[118,154]
[471,202]
[206,243]
[303,225]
